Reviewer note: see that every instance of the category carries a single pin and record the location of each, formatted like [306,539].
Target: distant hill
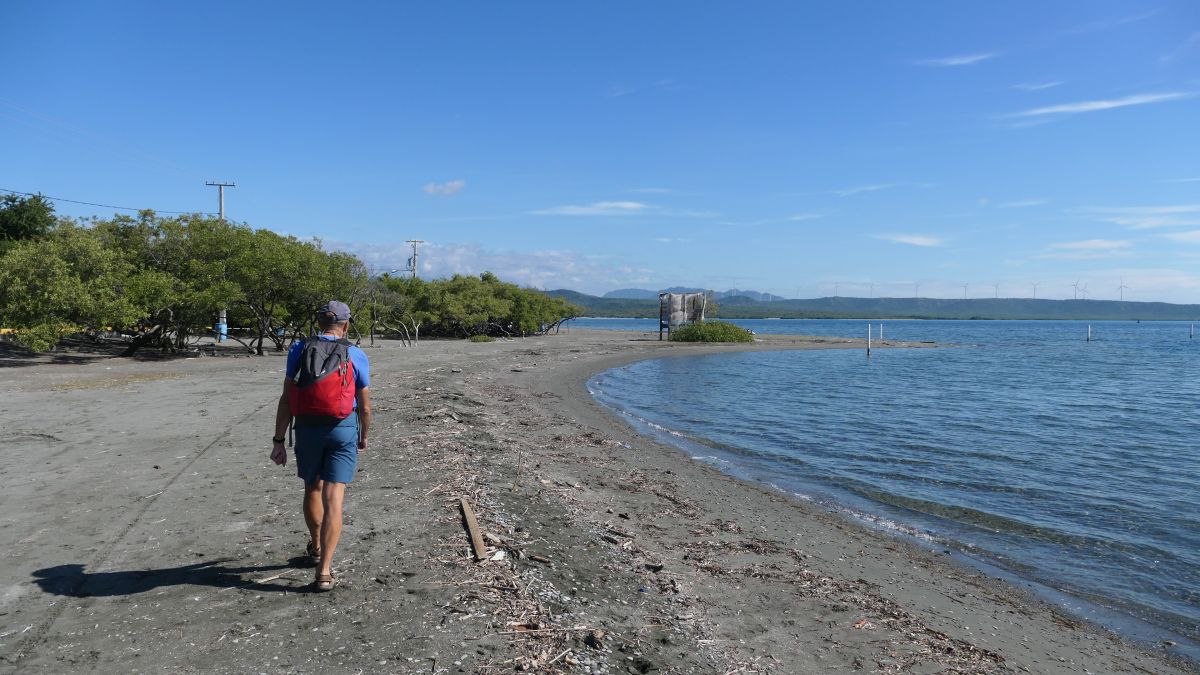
[645,294]
[632,294]
[744,307]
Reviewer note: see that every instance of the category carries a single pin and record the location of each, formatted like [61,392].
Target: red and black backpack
[324,382]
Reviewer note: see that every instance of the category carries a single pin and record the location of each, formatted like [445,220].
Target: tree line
[161,281]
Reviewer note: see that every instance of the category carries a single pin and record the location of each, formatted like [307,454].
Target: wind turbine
[1076,287]
[965,291]
[1035,284]
[1083,289]
[996,287]
[1121,289]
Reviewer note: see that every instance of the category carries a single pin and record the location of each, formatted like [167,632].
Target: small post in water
[1089,332]
[1192,332]
[881,331]
[868,340]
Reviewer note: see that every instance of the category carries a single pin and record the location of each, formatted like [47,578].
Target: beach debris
[477,544]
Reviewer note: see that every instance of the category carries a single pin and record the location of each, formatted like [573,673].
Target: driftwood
[473,530]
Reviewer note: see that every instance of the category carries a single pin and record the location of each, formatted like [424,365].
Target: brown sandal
[313,552]
[325,583]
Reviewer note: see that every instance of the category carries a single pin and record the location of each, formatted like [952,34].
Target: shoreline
[618,557]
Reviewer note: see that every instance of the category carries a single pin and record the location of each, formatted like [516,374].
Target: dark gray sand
[145,530]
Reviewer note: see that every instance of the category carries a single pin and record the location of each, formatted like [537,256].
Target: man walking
[325,392]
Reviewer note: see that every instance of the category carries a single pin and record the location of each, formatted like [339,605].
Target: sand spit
[145,530]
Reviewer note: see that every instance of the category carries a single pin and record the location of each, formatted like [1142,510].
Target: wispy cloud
[596,209]
[958,60]
[547,269]
[1037,86]
[448,188]
[1189,44]
[1021,204]
[804,216]
[652,191]
[1146,217]
[862,189]
[912,239]
[1193,179]
[1093,245]
[851,191]
[672,240]
[1108,104]
[1088,249]
[1189,237]
[1110,23]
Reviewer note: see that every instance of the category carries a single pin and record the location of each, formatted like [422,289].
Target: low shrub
[482,338]
[712,331]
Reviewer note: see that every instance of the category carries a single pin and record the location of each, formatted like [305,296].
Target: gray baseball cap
[340,311]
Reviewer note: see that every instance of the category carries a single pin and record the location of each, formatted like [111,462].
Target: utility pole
[220,195]
[412,262]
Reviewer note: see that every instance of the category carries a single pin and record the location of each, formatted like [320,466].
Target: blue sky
[805,149]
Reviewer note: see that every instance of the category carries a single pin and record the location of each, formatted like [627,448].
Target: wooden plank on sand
[473,530]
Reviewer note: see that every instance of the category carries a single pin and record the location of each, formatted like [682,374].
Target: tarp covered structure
[679,309]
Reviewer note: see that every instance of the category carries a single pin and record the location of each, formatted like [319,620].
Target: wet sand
[146,530]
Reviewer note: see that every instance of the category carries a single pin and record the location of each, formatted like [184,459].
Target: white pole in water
[868,339]
[1192,332]
[881,331]
[1089,332]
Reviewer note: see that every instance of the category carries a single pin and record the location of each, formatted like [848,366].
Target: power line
[107,206]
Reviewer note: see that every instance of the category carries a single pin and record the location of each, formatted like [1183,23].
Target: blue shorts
[327,451]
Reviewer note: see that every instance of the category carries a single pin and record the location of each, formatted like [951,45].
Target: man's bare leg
[314,512]
[331,527]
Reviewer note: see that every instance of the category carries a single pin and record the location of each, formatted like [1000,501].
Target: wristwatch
[276,440]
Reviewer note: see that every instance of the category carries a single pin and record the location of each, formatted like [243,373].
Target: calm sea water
[1069,464]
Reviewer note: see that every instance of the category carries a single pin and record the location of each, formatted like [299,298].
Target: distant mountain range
[745,307]
[643,294]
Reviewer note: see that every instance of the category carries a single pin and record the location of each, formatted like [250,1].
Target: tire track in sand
[21,651]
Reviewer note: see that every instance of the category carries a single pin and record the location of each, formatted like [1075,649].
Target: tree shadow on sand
[72,581]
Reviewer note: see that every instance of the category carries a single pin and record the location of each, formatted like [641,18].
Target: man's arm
[283,419]
[364,416]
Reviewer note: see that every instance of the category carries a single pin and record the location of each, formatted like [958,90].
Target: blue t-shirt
[362,366]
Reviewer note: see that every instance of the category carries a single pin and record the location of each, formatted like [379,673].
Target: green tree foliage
[66,282]
[164,279]
[464,306]
[23,218]
[711,331]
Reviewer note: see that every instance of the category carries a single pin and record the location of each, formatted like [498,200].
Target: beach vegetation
[482,338]
[711,331]
[23,218]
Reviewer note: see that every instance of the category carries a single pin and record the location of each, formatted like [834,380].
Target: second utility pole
[221,194]
[412,262]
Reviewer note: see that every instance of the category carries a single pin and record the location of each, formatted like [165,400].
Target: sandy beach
[146,530]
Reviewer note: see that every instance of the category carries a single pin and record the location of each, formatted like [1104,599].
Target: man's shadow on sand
[70,580]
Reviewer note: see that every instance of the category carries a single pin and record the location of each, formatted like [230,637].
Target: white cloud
[1193,179]
[1021,204]
[1093,245]
[1088,249]
[1146,217]
[912,239]
[1191,237]
[1092,106]
[596,209]
[672,240]
[1109,24]
[547,269]
[804,216]
[1037,86]
[851,191]
[448,188]
[959,60]
[1182,49]
[652,191]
